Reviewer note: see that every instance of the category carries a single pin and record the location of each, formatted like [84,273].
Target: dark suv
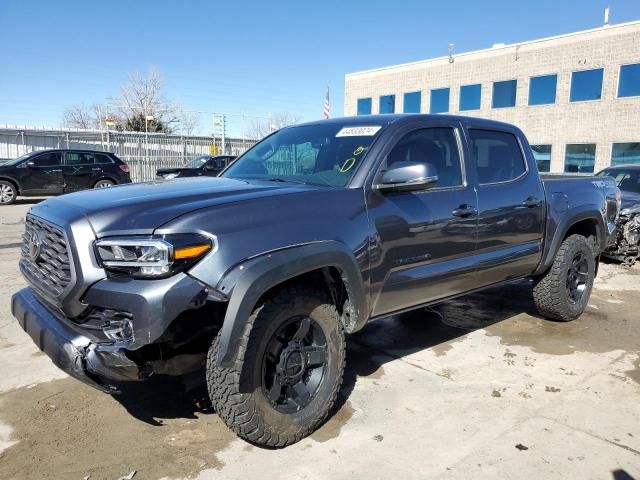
[52,172]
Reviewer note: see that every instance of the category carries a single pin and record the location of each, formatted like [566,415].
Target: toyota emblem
[34,245]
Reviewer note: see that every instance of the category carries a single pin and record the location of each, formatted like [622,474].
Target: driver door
[426,238]
[44,174]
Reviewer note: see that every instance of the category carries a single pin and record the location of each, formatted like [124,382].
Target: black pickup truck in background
[258,275]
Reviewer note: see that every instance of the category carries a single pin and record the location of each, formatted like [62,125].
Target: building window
[504,94]
[622,153]
[542,154]
[364,106]
[470,96]
[542,90]
[580,158]
[586,85]
[387,104]
[411,102]
[629,84]
[439,101]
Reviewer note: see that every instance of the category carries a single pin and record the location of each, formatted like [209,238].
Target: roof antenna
[451,45]
[606,16]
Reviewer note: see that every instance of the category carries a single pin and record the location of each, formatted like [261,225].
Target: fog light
[118,330]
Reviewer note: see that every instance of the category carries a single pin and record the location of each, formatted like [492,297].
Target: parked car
[259,274]
[206,165]
[627,246]
[53,172]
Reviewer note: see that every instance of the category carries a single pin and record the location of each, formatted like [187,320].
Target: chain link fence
[144,153]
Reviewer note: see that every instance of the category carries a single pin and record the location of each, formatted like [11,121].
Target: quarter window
[364,106]
[102,158]
[622,153]
[504,94]
[629,84]
[411,102]
[542,155]
[470,96]
[387,104]
[586,85]
[542,90]
[497,156]
[439,100]
[48,159]
[580,158]
[437,146]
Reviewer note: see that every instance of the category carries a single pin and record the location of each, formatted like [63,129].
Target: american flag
[325,107]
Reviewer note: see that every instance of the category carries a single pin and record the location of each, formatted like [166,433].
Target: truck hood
[143,207]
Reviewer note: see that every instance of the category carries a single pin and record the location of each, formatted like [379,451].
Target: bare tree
[261,127]
[81,116]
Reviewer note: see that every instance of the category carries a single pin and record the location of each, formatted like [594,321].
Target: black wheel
[293,353]
[564,291]
[104,183]
[8,193]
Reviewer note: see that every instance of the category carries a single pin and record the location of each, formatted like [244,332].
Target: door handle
[532,202]
[464,211]
[55,171]
[96,169]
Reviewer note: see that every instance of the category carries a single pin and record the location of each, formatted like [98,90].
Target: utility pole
[224,134]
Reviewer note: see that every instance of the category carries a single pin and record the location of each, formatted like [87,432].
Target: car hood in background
[140,208]
[629,199]
[165,171]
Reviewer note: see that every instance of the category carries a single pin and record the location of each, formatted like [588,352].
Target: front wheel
[8,193]
[292,358]
[564,291]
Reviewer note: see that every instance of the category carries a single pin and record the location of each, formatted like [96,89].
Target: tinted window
[629,84]
[470,97]
[586,85]
[77,158]
[364,106]
[412,102]
[387,104]
[542,155]
[102,158]
[542,90]
[504,94]
[437,146]
[625,153]
[47,159]
[580,158]
[627,180]
[439,100]
[497,156]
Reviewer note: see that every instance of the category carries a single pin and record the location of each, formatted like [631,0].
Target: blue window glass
[625,153]
[439,101]
[542,90]
[364,106]
[411,102]
[629,84]
[586,85]
[542,154]
[470,96]
[387,104]
[504,94]
[580,158]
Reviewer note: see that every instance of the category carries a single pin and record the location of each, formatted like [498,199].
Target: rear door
[79,170]
[511,215]
[43,174]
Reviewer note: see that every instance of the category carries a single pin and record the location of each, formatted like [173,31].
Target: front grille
[50,270]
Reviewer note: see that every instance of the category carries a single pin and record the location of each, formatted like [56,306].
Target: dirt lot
[476,388]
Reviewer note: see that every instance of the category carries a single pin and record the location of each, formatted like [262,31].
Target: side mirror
[407,176]
[30,164]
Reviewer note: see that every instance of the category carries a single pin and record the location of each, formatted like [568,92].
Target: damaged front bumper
[92,363]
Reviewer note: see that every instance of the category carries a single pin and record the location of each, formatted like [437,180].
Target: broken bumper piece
[96,364]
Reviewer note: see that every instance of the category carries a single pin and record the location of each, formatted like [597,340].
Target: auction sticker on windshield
[368,131]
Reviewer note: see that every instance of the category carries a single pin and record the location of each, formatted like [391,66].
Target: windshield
[19,159]
[627,180]
[321,154]
[197,162]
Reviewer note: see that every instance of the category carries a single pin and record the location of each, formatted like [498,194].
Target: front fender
[248,281]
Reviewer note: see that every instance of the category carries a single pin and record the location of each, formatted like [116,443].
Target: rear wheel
[8,193]
[564,291]
[292,358]
[104,183]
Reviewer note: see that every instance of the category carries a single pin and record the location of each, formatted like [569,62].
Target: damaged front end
[627,246]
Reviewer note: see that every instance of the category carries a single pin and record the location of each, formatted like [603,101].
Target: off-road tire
[9,193]
[550,291]
[241,402]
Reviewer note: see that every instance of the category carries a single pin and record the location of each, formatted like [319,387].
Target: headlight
[153,257]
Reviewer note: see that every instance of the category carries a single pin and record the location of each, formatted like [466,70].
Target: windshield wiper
[282,180]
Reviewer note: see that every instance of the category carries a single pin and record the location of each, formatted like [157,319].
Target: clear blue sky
[256,57]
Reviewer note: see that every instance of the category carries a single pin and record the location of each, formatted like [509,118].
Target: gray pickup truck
[257,276]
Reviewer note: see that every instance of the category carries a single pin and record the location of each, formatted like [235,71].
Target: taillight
[124,167]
